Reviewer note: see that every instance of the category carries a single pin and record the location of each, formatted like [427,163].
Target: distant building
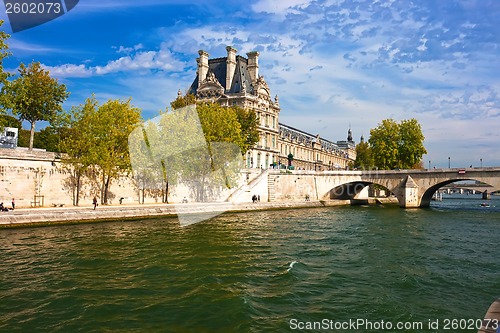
[235,81]
[8,138]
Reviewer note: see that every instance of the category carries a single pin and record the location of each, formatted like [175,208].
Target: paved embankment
[68,215]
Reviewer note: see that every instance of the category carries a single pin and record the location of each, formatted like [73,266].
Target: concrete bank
[70,215]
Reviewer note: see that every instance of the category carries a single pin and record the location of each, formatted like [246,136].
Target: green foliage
[78,160]
[112,125]
[224,124]
[364,158]
[34,96]
[50,138]
[98,145]
[249,122]
[4,53]
[411,145]
[220,124]
[182,101]
[9,121]
[396,145]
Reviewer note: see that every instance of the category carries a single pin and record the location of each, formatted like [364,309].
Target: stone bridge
[412,188]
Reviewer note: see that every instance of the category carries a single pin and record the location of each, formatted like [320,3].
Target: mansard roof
[218,66]
[306,138]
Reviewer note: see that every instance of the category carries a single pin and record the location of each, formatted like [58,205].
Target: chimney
[231,66]
[202,66]
[253,65]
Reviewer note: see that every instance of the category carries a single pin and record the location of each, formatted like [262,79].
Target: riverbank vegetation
[392,145]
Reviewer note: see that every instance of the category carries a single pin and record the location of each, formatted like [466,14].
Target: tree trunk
[78,186]
[104,200]
[103,185]
[164,198]
[32,135]
[166,192]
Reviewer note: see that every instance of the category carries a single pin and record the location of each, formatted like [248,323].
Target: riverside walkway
[23,217]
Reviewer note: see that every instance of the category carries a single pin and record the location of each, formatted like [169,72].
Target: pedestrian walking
[13,203]
[94,201]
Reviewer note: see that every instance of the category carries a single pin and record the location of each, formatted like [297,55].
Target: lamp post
[429,165]
[449,165]
[481,162]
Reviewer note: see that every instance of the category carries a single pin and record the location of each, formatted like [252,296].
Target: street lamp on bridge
[481,162]
[429,164]
[449,165]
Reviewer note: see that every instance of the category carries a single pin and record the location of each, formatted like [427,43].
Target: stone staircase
[245,189]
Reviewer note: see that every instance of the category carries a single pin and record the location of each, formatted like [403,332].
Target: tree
[9,121]
[384,141]
[149,170]
[249,124]
[396,145]
[111,126]
[221,120]
[34,96]
[364,158]
[98,145]
[220,124]
[4,53]
[78,146]
[227,133]
[411,147]
[182,101]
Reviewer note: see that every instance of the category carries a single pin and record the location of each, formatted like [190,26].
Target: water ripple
[234,273]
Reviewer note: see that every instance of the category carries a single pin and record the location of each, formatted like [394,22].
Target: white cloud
[162,60]
[278,7]
[69,70]
[127,50]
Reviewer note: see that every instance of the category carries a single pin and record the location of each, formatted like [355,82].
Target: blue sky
[333,63]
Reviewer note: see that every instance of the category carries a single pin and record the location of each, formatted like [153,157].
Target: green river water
[276,271]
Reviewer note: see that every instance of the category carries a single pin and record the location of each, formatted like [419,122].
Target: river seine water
[276,271]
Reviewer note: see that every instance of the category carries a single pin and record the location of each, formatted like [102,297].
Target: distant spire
[349,134]
[362,139]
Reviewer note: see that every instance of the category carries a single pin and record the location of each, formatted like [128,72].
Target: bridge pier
[410,197]
[486,195]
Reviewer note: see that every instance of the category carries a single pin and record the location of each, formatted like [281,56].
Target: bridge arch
[349,190]
[427,196]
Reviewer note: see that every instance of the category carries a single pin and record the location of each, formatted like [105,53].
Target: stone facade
[235,81]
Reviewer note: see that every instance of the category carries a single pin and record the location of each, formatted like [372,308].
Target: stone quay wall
[37,178]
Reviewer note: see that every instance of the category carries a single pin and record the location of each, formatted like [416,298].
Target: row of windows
[268,140]
[267,120]
[261,161]
[309,155]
